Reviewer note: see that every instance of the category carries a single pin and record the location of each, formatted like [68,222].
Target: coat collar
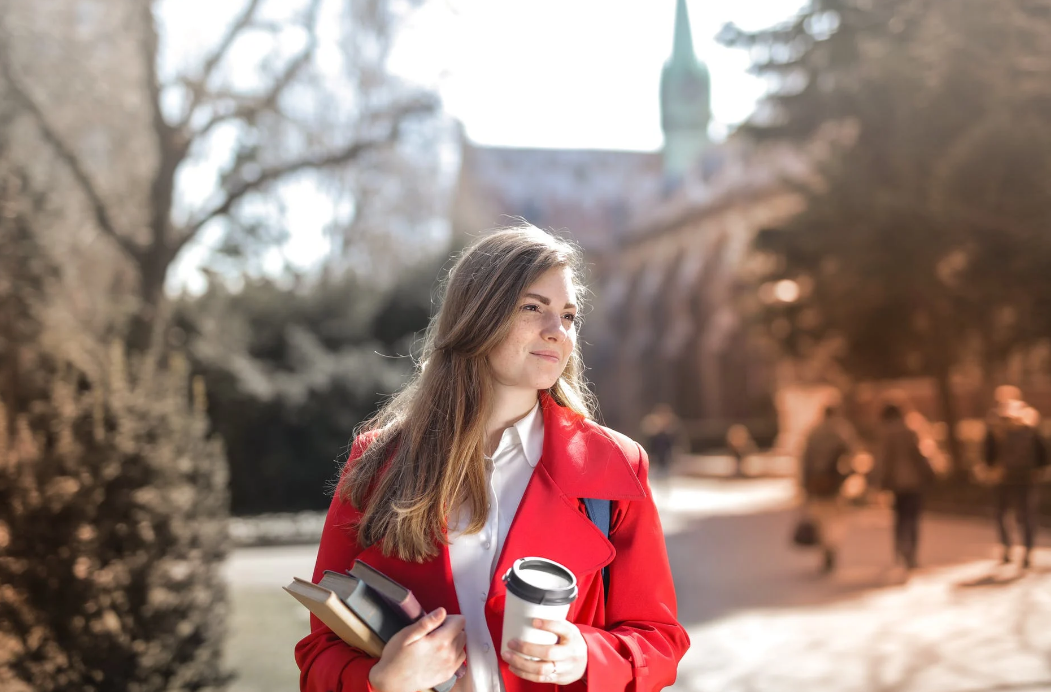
[582,457]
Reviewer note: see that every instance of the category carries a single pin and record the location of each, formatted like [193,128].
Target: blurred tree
[291,371]
[813,63]
[300,113]
[921,241]
[112,499]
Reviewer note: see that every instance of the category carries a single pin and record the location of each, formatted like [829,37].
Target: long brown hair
[427,456]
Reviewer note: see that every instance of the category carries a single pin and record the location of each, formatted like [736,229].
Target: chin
[537,379]
[546,384]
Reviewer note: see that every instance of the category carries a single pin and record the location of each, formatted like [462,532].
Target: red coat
[634,641]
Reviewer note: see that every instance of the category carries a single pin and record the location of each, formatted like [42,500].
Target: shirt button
[485,647]
[486,545]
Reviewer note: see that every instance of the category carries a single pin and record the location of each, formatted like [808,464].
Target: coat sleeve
[326,662]
[640,648]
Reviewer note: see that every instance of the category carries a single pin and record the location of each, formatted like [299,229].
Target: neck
[509,406]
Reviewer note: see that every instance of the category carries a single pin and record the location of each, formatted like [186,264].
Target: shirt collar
[527,431]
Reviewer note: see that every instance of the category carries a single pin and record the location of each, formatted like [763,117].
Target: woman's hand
[424,654]
[560,663]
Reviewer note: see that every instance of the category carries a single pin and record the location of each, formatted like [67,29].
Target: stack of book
[363,607]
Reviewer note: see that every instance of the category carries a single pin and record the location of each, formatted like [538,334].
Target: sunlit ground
[759,615]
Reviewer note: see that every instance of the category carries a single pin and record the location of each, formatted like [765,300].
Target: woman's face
[543,334]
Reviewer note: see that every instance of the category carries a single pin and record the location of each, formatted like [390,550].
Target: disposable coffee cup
[536,588]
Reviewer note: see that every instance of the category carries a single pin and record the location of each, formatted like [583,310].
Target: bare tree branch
[66,154]
[250,109]
[326,160]
[200,86]
[149,63]
[172,147]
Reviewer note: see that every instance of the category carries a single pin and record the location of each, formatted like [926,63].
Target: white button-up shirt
[473,557]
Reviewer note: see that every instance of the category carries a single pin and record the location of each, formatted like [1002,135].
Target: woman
[485,458]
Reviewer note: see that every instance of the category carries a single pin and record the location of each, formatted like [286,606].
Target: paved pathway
[759,616]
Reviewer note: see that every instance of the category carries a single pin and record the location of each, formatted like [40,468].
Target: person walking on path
[490,454]
[1016,452]
[661,430]
[902,469]
[821,477]
[740,443]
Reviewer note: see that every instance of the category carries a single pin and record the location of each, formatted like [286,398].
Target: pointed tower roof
[685,100]
[682,50]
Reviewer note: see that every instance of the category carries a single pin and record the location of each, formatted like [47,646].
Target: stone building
[591,195]
[671,322]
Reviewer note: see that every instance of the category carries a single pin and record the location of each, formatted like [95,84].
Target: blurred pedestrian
[821,476]
[902,469]
[1015,453]
[740,443]
[661,430]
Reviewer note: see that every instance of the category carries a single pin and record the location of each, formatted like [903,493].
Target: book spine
[374,611]
[410,607]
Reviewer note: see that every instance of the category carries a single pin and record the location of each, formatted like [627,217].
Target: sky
[527,73]
[574,73]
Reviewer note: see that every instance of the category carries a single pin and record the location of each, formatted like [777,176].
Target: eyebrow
[545,300]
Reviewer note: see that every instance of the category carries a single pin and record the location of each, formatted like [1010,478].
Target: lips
[550,356]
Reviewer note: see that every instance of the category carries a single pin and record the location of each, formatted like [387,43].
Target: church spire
[682,50]
[685,101]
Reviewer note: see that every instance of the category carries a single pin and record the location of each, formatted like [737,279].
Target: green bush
[291,371]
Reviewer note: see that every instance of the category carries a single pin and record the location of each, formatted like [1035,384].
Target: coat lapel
[550,524]
[579,460]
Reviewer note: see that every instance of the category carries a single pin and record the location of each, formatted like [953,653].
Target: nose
[554,329]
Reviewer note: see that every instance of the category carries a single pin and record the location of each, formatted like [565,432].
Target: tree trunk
[152,271]
[154,262]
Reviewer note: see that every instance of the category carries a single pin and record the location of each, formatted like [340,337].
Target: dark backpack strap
[598,513]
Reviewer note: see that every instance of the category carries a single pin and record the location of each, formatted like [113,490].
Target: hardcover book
[395,594]
[363,607]
[331,610]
